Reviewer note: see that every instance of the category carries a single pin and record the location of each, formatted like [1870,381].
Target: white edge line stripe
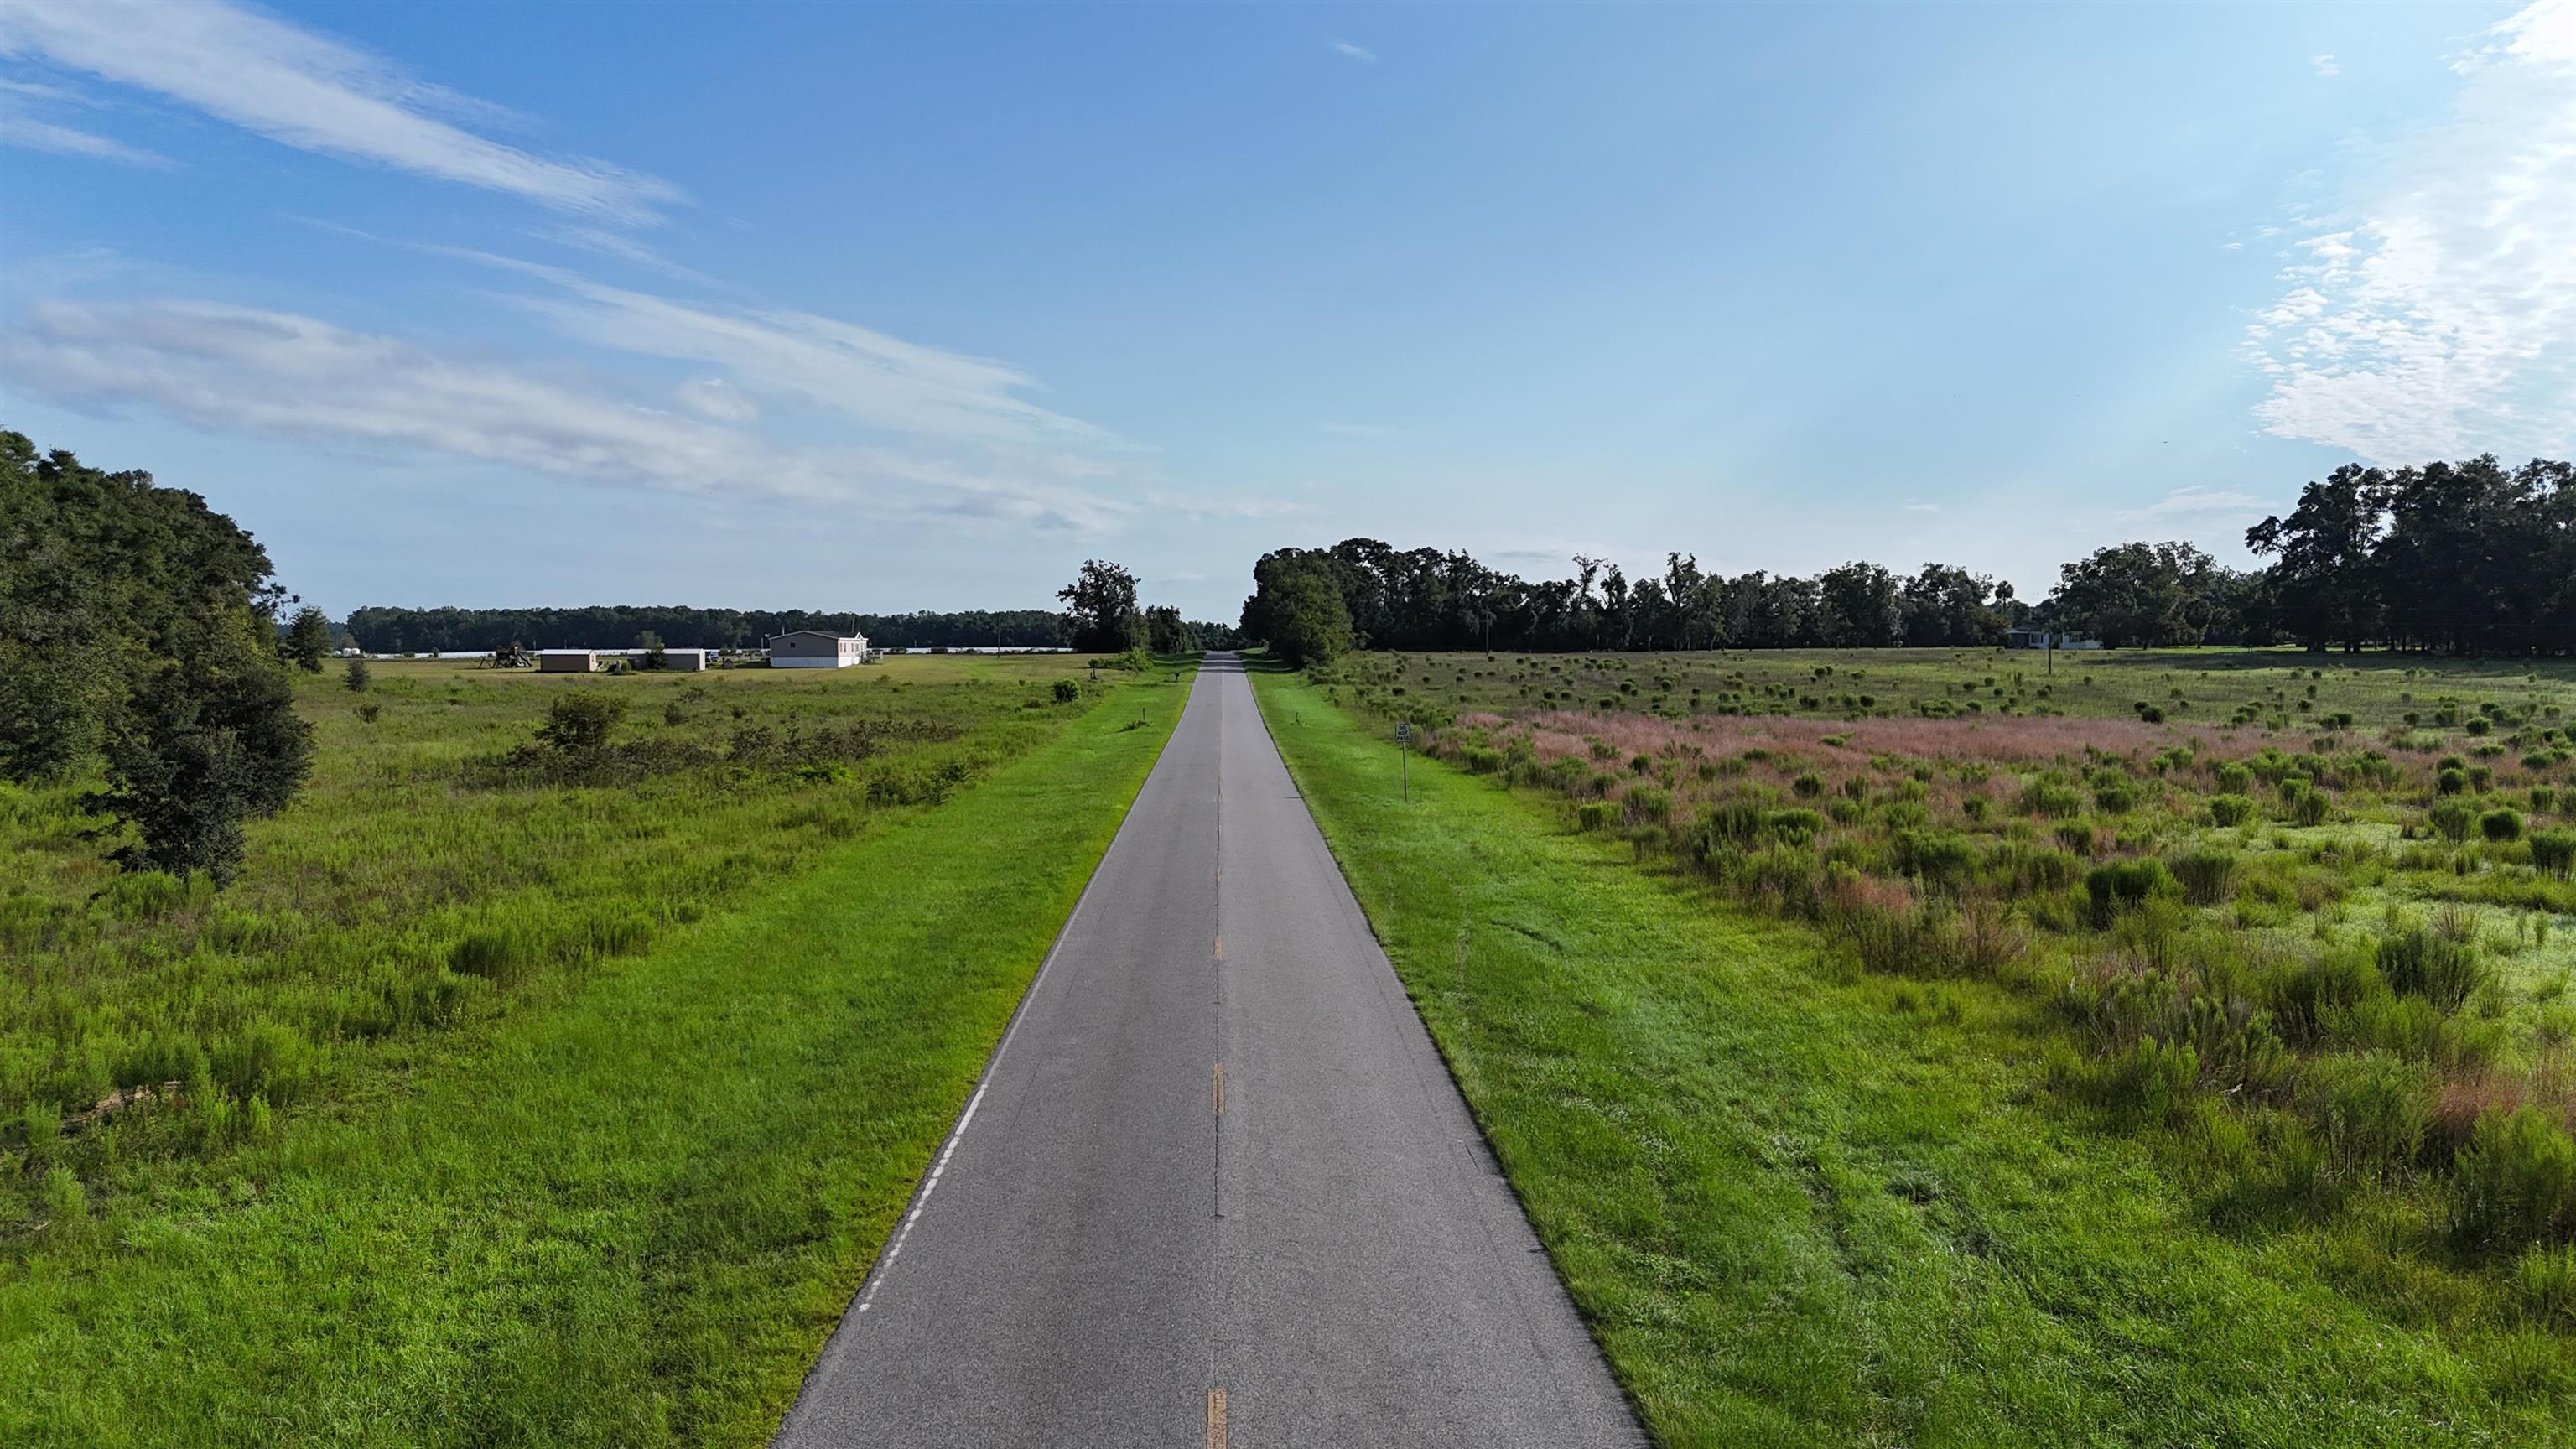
[921,1199]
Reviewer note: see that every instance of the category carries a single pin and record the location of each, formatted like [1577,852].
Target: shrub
[2149,1083]
[2553,852]
[1592,815]
[2372,1107]
[2450,820]
[1941,859]
[1644,806]
[2208,876]
[2051,799]
[580,724]
[2442,964]
[1066,691]
[500,956]
[2451,781]
[358,677]
[2312,993]
[2114,799]
[2501,825]
[2233,778]
[2309,807]
[1808,785]
[2516,1181]
[2121,885]
[2230,809]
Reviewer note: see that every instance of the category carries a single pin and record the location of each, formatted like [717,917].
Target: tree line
[2456,558]
[384,630]
[2466,558]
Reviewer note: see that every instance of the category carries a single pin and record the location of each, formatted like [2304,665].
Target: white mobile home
[2042,639]
[567,661]
[817,649]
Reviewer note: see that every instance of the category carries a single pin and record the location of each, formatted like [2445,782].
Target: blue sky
[884,307]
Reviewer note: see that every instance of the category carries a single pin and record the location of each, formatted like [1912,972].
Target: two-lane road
[1216,1186]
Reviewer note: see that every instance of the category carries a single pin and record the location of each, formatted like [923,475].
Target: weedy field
[555,1064]
[2280,943]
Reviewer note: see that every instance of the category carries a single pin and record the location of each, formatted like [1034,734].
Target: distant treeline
[2461,558]
[2468,558]
[426,631]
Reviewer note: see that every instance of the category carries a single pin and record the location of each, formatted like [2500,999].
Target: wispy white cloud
[1200,507]
[309,92]
[1922,507]
[30,134]
[1360,53]
[236,368]
[2325,65]
[625,249]
[874,379]
[2436,315]
[1367,430]
[713,397]
[2197,503]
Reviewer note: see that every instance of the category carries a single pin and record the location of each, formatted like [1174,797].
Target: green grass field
[513,1112]
[1835,1144]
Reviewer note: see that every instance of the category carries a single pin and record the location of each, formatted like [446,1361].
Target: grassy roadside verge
[1802,1210]
[628,1219]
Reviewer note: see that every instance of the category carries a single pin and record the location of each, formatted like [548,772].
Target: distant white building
[2041,639]
[817,649]
[567,661]
[682,661]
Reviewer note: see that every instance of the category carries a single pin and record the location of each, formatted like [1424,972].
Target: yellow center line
[1216,1419]
[1220,948]
[1220,1089]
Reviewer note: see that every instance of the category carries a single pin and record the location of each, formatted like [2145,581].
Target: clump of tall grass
[2440,963]
[2516,1181]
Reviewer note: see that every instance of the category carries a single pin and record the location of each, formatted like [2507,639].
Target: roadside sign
[1404,732]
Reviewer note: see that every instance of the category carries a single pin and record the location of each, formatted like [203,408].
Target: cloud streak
[1347,50]
[233,368]
[309,92]
[2437,316]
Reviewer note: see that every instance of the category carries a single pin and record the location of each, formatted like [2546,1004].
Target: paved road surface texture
[1215,1188]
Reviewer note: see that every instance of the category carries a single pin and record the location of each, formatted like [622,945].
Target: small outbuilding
[817,649]
[683,661]
[567,661]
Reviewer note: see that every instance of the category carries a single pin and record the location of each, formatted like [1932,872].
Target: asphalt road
[1215,1188]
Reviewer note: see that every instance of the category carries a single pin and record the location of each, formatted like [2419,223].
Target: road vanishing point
[1215,1188]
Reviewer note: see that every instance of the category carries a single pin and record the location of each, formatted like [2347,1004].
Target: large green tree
[138,634]
[1100,610]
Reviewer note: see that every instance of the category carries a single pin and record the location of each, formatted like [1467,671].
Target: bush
[2051,799]
[2234,778]
[2553,852]
[580,724]
[2442,965]
[2124,884]
[2451,781]
[2208,876]
[358,677]
[2227,810]
[2373,1107]
[2516,1181]
[1066,691]
[2450,820]
[2149,1083]
[1592,815]
[2501,825]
